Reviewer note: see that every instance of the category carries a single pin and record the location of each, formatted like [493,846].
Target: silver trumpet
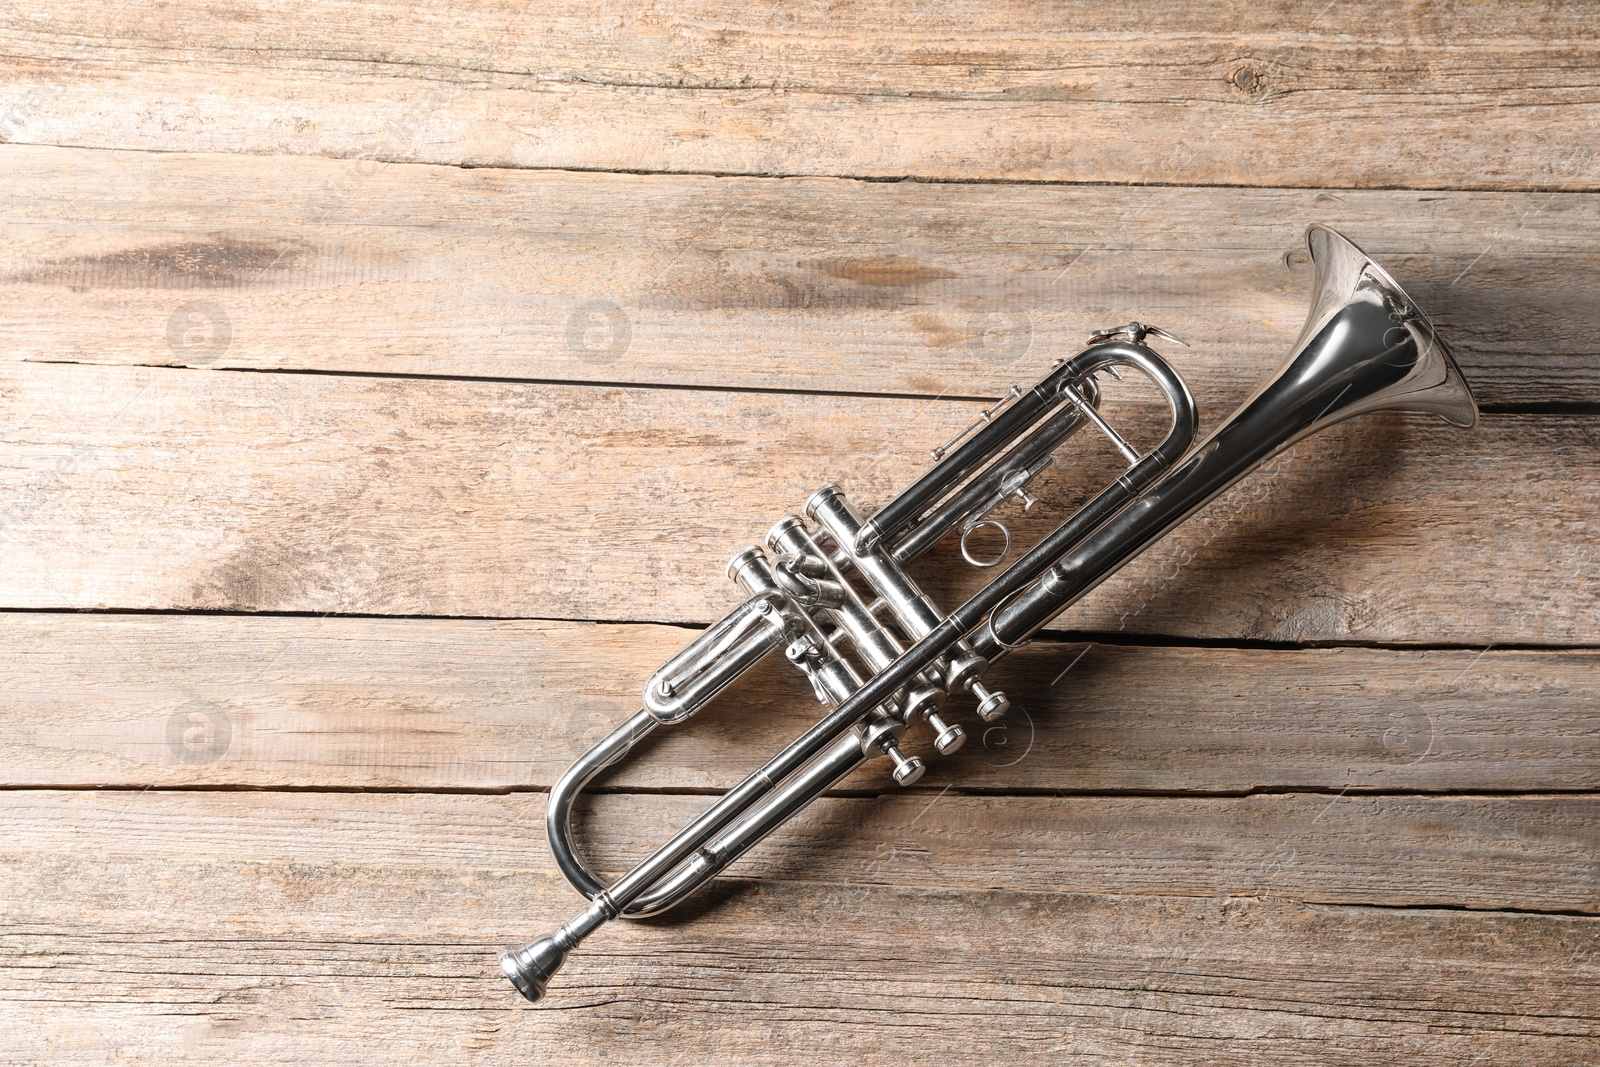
[835,596]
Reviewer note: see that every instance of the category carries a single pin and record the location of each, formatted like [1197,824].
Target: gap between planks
[491,706]
[375,496]
[1520,855]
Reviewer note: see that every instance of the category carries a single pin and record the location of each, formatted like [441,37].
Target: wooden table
[385,386]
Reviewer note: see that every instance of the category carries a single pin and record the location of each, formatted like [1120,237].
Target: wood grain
[229,261]
[175,489]
[1282,94]
[173,941]
[264,702]
[1532,853]
[446,354]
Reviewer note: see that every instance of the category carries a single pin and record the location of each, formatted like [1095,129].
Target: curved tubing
[531,967]
[558,814]
[1365,347]
[820,774]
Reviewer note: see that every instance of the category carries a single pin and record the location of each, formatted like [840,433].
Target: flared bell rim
[1453,400]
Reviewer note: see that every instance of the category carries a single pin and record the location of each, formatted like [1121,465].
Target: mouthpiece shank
[530,968]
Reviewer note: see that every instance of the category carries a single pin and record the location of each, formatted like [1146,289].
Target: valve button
[950,738]
[991,705]
[907,769]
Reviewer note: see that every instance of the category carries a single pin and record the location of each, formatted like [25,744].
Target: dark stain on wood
[938,332]
[210,263]
[731,280]
[881,271]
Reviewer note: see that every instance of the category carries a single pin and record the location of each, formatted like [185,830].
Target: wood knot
[1248,78]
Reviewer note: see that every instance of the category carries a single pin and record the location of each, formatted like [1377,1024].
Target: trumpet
[835,596]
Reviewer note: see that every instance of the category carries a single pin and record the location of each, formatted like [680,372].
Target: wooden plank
[450,704]
[1347,95]
[1531,853]
[1375,855]
[171,489]
[1525,853]
[214,926]
[814,285]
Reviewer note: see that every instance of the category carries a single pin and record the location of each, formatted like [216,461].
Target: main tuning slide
[832,591]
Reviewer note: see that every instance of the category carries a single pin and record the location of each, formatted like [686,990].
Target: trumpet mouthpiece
[531,968]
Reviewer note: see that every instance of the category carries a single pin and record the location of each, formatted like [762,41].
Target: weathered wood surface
[454,704]
[182,489]
[1431,95]
[319,828]
[1531,853]
[266,926]
[316,264]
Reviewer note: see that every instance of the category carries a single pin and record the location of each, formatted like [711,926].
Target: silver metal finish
[886,664]
[1136,332]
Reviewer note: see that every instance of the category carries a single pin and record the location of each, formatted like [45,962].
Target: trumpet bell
[1362,327]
